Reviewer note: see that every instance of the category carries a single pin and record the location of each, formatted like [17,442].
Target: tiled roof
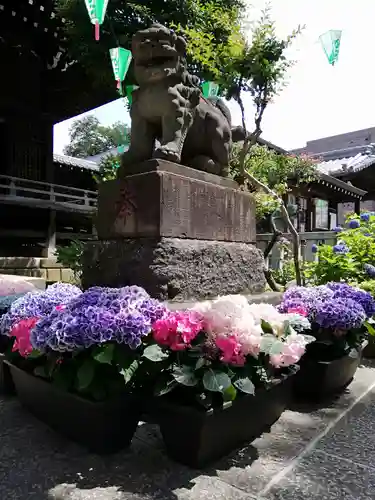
[70,161]
[341,166]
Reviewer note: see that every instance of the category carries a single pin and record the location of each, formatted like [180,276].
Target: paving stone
[353,437]
[322,477]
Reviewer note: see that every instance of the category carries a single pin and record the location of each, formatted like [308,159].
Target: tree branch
[285,215]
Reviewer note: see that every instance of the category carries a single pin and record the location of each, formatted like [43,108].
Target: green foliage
[108,168]
[349,266]
[286,273]
[88,137]
[123,19]
[71,256]
[273,169]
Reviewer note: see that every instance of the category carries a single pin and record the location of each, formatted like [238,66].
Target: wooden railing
[36,193]
[307,241]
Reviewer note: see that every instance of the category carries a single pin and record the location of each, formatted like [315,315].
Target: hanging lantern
[121,59]
[129,92]
[330,42]
[96,10]
[210,89]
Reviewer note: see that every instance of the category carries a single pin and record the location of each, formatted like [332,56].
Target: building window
[321,214]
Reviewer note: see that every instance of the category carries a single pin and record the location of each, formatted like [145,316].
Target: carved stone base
[175,269]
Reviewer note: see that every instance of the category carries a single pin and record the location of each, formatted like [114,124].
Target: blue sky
[320,100]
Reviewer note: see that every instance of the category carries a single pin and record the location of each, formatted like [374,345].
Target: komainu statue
[168,107]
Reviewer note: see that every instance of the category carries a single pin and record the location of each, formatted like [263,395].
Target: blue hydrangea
[354,224]
[337,229]
[340,314]
[38,305]
[314,248]
[365,216]
[369,270]
[340,248]
[121,315]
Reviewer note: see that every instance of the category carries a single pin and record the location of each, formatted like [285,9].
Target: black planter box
[103,427]
[194,437]
[6,381]
[319,379]
[369,350]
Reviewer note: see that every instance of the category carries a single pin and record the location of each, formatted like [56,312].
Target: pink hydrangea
[178,329]
[21,332]
[292,352]
[298,310]
[231,351]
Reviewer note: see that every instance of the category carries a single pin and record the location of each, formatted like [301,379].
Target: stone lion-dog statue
[168,107]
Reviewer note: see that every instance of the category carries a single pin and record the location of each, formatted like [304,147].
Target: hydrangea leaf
[185,375]
[245,385]
[155,353]
[200,363]
[267,343]
[370,328]
[216,381]
[105,354]
[34,354]
[266,327]
[85,374]
[230,394]
[129,372]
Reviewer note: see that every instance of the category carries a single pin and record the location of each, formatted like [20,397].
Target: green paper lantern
[96,10]
[330,42]
[129,92]
[121,59]
[210,89]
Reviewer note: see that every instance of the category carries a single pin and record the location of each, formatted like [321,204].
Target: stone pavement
[321,453]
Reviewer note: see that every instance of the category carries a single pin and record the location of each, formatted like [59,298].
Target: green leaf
[216,381]
[128,373]
[34,354]
[200,363]
[230,394]
[155,353]
[164,387]
[266,327]
[85,374]
[185,375]
[245,385]
[370,328]
[105,354]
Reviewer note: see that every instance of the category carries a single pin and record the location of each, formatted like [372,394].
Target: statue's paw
[167,154]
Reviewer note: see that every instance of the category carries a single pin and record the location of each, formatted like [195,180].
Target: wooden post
[51,236]
[357,206]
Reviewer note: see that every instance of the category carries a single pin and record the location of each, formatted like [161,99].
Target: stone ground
[311,453]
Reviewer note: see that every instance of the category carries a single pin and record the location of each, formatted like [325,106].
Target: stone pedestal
[180,233]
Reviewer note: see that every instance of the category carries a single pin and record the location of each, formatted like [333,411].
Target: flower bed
[224,371]
[106,355]
[341,318]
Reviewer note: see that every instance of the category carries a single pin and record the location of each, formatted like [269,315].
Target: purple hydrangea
[337,229]
[340,248]
[305,297]
[354,224]
[340,314]
[365,216]
[365,299]
[369,270]
[314,248]
[122,315]
[38,305]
